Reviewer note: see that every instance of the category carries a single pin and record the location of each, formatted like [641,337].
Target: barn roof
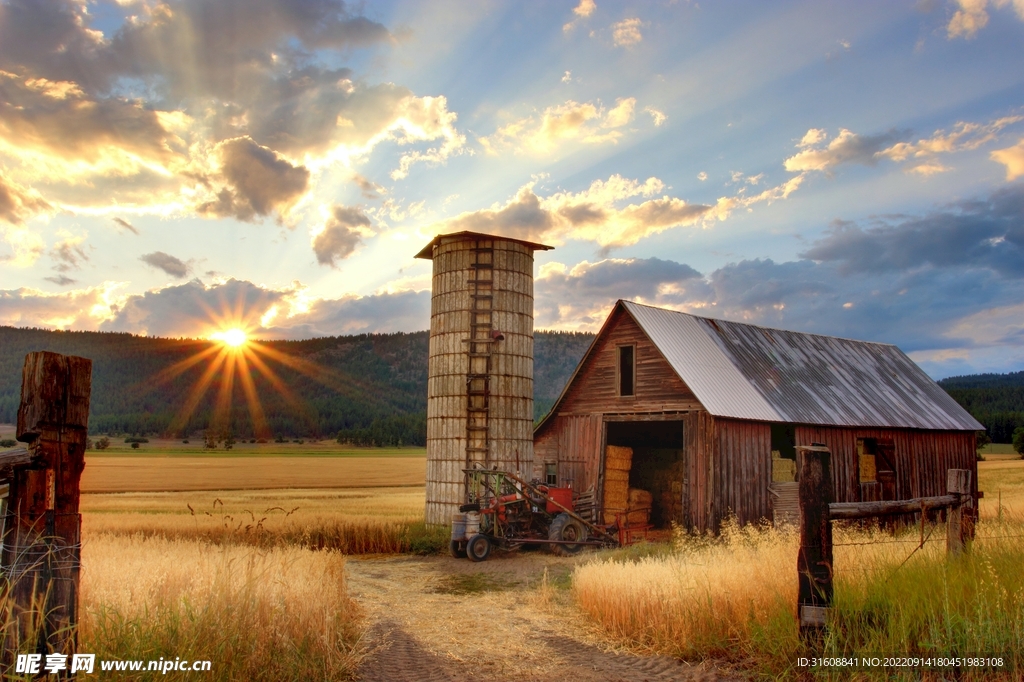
[744,371]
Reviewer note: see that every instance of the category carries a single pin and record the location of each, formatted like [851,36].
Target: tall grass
[733,598]
[278,614]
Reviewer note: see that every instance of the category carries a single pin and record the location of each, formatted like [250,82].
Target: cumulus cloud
[968,20]
[611,213]
[340,235]
[77,309]
[657,117]
[626,33]
[581,12]
[175,267]
[1012,158]
[18,204]
[260,181]
[972,234]
[147,114]
[589,122]
[918,156]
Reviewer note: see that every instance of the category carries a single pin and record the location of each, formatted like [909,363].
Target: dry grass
[279,614]
[140,474]
[1001,477]
[734,599]
[364,521]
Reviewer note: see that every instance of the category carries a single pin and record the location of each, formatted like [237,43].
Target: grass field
[733,599]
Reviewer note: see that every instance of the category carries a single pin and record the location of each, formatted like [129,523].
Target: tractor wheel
[568,532]
[478,548]
[457,548]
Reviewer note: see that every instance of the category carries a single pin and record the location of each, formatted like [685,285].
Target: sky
[845,168]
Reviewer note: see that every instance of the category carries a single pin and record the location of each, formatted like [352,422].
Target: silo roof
[428,250]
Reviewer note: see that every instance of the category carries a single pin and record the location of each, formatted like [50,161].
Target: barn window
[551,473]
[627,371]
[866,452]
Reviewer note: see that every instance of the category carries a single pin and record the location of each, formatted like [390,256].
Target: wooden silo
[480,365]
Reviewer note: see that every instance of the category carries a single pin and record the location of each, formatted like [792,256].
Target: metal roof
[748,372]
[427,251]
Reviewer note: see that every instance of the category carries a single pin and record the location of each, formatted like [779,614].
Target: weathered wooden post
[958,484]
[814,563]
[42,544]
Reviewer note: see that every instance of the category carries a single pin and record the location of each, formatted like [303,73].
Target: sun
[235,338]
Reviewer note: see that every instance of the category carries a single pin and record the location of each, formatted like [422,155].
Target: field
[187,558]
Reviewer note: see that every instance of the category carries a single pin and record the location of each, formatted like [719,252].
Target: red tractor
[506,512]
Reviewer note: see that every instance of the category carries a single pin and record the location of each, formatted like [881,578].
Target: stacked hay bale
[639,507]
[617,463]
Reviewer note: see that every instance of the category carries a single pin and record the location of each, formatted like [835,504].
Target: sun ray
[198,391]
[344,385]
[259,419]
[180,367]
[222,407]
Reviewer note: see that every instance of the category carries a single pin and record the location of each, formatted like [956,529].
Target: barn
[711,412]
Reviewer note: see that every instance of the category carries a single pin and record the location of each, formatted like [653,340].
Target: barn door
[579,450]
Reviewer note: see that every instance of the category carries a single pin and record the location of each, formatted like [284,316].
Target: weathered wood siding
[922,458]
[698,447]
[595,390]
[742,464]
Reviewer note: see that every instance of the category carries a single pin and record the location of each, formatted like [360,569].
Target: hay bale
[616,476]
[640,499]
[638,517]
[618,458]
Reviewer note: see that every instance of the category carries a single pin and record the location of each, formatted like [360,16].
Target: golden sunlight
[231,337]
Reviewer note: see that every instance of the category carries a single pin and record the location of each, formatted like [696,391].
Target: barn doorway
[657,466]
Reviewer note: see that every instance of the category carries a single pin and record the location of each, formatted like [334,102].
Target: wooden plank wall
[698,432]
[922,458]
[580,438]
[658,388]
[742,461]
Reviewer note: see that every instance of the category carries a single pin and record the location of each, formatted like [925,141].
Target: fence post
[958,482]
[42,544]
[814,562]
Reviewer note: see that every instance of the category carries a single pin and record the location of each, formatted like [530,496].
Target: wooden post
[814,563]
[958,483]
[42,544]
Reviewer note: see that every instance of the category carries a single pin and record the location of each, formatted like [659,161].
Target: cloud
[846,147]
[61,280]
[626,33]
[77,309]
[340,235]
[972,234]
[600,213]
[125,224]
[68,253]
[578,297]
[18,204]
[588,122]
[145,116]
[369,189]
[968,20]
[657,116]
[1012,158]
[919,156]
[260,181]
[582,11]
[174,267]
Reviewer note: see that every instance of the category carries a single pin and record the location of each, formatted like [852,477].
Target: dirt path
[438,619]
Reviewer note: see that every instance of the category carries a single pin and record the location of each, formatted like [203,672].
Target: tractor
[505,512]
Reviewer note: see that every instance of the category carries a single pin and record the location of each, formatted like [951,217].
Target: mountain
[371,387]
[996,400]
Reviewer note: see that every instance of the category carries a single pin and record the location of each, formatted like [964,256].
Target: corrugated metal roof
[749,372]
[427,251]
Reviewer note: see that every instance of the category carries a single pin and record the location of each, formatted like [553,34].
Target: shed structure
[714,410]
[480,362]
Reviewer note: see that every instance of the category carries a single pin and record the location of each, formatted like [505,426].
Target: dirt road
[434,619]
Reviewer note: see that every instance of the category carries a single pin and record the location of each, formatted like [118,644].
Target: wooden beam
[864,510]
[814,562]
[16,457]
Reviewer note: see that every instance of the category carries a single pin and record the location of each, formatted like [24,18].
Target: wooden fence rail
[817,511]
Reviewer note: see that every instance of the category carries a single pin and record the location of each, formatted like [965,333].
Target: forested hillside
[371,387]
[996,400]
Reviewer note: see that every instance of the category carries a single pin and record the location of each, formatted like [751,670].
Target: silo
[480,364]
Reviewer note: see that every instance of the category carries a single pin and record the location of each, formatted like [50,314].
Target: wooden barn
[712,412]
